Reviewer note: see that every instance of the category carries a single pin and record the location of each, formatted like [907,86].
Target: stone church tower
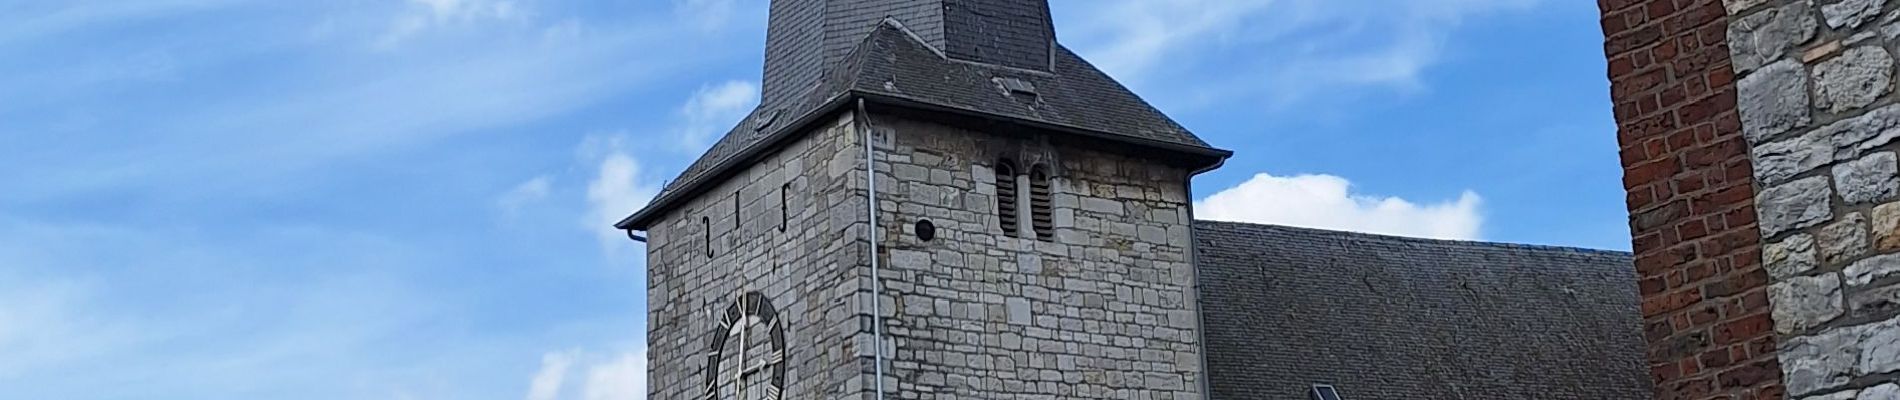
[1022,231]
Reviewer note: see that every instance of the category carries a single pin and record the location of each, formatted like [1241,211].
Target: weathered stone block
[1844,240]
[1841,395]
[1875,300]
[1762,37]
[1795,205]
[1805,302]
[1789,257]
[1875,177]
[1867,270]
[1854,79]
[1778,161]
[1850,13]
[1880,348]
[1886,227]
[1813,363]
[1883,392]
[1856,135]
[1776,100]
[1736,7]
[1019,313]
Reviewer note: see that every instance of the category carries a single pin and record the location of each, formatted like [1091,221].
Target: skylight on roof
[1325,392]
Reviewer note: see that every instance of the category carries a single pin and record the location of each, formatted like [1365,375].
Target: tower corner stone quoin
[1758,150]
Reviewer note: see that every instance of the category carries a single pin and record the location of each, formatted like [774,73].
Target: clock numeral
[771,391]
[777,356]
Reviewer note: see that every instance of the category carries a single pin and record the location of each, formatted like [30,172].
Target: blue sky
[408,199]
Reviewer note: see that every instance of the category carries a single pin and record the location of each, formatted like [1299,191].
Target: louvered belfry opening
[1006,207]
[1040,215]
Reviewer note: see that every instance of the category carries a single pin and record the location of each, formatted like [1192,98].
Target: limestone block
[1019,313]
[1890,30]
[1736,7]
[1853,136]
[1850,13]
[1875,177]
[1805,302]
[1875,300]
[1778,161]
[1813,363]
[1880,348]
[1773,100]
[1790,257]
[1886,227]
[1843,240]
[1867,270]
[1883,392]
[909,259]
[1795,205]
[1763,37]
[1842,395]
[1854,79]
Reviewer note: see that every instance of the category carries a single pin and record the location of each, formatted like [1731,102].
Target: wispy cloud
[546,383]
[617,188]
[624,378]
[533,190]
[330,99]
[713,110]
[427,14]
[1327,202]
[1289,49]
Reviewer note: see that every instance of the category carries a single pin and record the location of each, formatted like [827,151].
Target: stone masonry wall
[1104,309]
[1817,107]
[811,270]
[1692,210]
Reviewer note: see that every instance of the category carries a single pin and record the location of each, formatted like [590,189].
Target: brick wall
[1692,210]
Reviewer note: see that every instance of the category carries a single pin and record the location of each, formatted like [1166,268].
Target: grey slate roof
[891,65]
[1398,318]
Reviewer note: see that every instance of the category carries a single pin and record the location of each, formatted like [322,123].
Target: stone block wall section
[1102,309]
[790,227]
[1817,107]
[1692,210]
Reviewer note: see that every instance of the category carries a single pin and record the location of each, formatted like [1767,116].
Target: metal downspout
[877,285]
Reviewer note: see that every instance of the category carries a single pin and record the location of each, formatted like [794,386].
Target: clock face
[745,355]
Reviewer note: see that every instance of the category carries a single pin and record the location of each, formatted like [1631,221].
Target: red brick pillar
[1692,201]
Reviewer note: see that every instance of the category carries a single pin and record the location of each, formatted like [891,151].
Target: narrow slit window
[705,234]
[737,212]
[1041,216]
[784,206]
[1006,196]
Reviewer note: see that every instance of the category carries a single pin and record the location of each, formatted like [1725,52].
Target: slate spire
[804,37]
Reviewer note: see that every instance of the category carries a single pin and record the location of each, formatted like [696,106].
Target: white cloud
[713,110]
[546,384]
[525,193]
[609,376]
[1326,202]
[1291,48]
[624,378]
[426,14]
[616,189]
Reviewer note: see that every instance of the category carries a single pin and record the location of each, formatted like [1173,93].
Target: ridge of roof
[1233,226]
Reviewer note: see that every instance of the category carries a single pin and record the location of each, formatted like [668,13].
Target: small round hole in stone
[926,230]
